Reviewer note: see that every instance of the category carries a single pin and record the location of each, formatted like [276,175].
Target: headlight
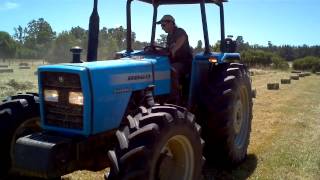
[51,95]
[76,98]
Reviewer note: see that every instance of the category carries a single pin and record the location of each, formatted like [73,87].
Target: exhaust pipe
[93,39]
[76,54]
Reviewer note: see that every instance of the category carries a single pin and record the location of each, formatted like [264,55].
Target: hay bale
[254,93]
[24,67]
[301,75]
[285,81]
[295,77]
[273,86]
[4,66]
[318,73]
[6,70]
[307,73]
[295,71]
[23,64]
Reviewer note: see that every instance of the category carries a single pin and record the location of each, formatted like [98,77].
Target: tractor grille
[62,113]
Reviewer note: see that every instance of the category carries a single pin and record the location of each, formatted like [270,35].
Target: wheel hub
[238,119]
[240,123]
[176,160]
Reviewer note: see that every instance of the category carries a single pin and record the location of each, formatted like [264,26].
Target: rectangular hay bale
[273,86]
[6,70]
[23,64]
[294,77]
[24,67]
[285,81]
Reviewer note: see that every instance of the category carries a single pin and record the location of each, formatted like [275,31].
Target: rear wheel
[162,142]
[19,116]
[227,108]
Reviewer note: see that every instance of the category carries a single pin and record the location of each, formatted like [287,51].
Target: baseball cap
[166,18]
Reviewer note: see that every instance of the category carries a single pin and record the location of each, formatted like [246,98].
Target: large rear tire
[19,116]
[227,114]
[162,142]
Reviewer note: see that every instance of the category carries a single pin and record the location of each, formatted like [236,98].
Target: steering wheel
[159,50]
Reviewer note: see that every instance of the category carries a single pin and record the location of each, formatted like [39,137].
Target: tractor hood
[115,64]
[134,70]
[122,71]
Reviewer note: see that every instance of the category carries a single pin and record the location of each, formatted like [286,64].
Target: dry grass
[285,131]
[285,135]
[85,175]
[21,77]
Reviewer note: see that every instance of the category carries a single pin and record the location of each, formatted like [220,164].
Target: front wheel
[162,143]
[19,116]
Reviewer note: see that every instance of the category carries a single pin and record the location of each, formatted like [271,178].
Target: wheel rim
[176,160]
[241,116]
[29,126]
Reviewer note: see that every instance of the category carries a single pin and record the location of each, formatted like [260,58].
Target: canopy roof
[182,1]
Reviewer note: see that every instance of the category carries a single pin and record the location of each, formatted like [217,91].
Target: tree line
[39,41]
[303,57]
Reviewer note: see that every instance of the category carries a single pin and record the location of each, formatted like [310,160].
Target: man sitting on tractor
[180,52]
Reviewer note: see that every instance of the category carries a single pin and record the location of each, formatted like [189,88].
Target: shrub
[308,63]
[257,58]
[261,58]
[279,63]
[20,85]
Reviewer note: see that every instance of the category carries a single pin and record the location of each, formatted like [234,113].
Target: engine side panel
[114,84]
[112,89]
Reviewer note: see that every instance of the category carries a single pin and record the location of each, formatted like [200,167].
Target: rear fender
[200,68]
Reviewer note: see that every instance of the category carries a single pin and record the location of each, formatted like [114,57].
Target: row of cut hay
[20,64]
[24,67]
[296,76]
[7,70]
[23,64]
[4,66]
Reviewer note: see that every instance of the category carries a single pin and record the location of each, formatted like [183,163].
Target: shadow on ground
[241,172]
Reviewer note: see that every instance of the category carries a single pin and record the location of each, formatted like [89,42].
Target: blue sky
[293,22]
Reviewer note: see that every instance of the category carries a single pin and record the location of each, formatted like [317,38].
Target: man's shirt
[183,54]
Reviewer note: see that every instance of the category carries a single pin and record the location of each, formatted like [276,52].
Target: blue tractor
[114,113]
